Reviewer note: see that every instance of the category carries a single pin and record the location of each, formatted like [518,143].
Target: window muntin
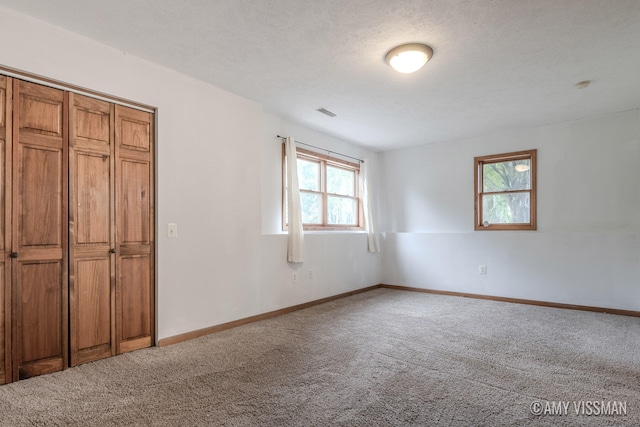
[329,192]
[505,190]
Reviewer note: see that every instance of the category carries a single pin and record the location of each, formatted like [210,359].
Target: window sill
[331,231]
[506,227]
[329,228]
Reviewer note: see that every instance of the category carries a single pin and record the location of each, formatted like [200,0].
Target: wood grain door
[135,302]
[6,90]
[91,230]
[39,231]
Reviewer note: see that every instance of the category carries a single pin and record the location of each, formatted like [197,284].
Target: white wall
[339,261]
[217,177]
[587,247]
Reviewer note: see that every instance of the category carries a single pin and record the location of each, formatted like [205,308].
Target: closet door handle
[14,255]
[112,250]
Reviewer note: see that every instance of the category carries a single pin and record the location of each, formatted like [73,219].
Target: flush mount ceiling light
[408,58]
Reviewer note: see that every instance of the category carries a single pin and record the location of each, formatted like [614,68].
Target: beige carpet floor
[380,358]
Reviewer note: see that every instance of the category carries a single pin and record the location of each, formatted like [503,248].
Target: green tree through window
[505,191]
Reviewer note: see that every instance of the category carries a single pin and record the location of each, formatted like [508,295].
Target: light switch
[172,230]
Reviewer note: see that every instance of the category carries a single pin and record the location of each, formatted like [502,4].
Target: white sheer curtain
[367,204]
[295,241]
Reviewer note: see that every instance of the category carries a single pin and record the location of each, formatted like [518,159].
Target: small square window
[505,191]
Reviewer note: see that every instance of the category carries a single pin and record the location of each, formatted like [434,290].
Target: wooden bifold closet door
[111,229]
[39,231]
[135,314]
[76,229]
[91,232]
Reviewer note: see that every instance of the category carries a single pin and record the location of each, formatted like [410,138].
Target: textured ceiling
[497,63]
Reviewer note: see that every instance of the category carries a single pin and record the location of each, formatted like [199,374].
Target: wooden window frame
[479,162]
[324,161]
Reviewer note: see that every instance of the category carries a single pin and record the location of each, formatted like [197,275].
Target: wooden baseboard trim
[517,300]
[235,323]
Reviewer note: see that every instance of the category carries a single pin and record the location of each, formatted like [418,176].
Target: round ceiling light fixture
[408,58]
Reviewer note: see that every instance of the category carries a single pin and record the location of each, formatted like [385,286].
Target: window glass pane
[341,210]
[506,208]
[311,207]
[506,176]
[308,175]
[340,181]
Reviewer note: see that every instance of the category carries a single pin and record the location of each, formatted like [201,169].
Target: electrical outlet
[294,276]
[482,269]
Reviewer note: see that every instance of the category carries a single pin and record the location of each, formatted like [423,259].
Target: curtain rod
[323,149]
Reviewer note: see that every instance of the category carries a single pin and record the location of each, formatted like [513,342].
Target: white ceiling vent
[327,112]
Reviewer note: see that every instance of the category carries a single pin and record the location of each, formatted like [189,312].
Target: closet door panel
[40,197]
[92,120]
[135,203]
[40,299]
[4,117]
[92,180]
[41,111]
[91,236]
[94,303]
[6,90]
[135,131]
[134,223]
[39,233]
[134,283]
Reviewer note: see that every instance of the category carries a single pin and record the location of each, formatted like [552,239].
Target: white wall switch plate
[172,230]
